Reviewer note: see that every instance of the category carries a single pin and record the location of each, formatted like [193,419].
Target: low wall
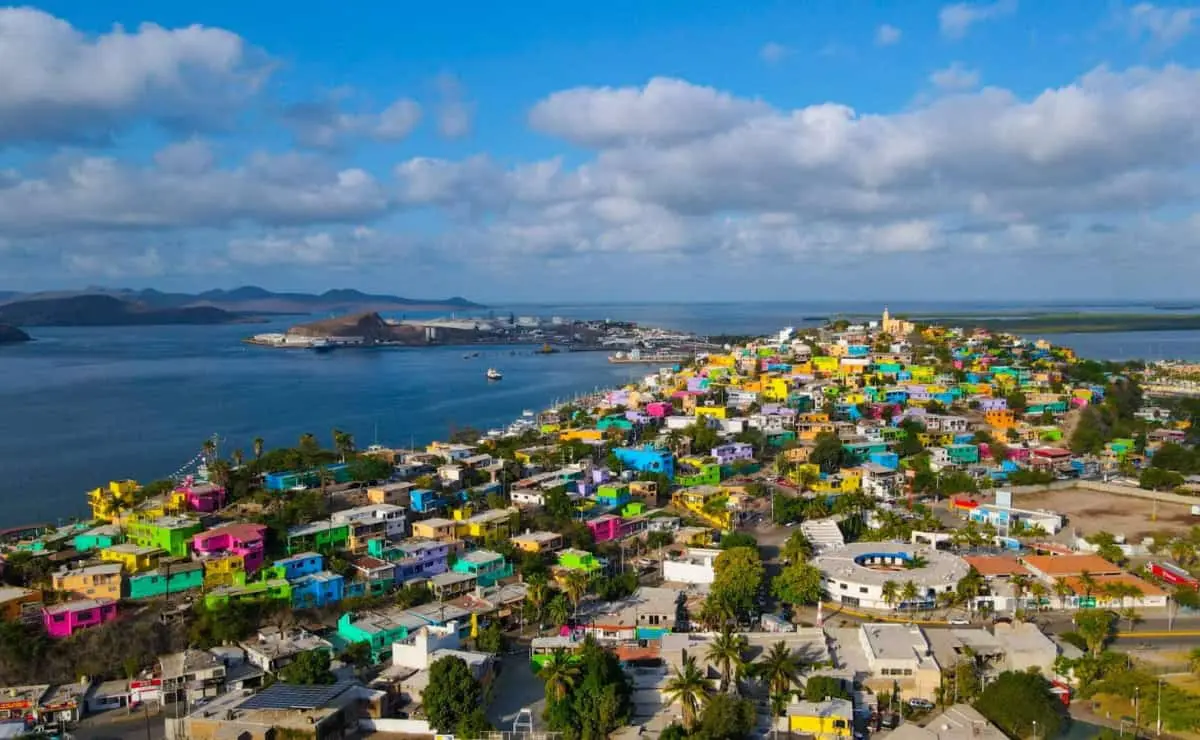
[402,726]
[1112,488]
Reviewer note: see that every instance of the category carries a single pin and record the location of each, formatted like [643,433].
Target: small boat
[494,374]
[321,345]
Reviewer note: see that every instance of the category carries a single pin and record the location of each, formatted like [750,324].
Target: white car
[958,621]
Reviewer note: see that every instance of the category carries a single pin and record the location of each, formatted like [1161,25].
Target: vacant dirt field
[1088,512]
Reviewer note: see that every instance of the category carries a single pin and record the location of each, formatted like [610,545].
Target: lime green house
[573,559]
[170,533]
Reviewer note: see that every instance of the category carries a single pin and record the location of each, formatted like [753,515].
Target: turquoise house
[487,566]
[98,538]
[614,422]
[169,578]
[963,454]
[378,629]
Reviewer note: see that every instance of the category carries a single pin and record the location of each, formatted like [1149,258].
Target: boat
[321,345]
[546,350]
[494,374]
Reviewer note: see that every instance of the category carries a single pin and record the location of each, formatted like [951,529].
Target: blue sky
[628,150]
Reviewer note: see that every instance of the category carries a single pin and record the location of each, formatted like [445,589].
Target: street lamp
[1035,730]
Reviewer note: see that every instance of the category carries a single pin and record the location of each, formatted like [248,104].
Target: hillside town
[873,529]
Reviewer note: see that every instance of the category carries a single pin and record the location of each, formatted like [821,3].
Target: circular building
[855,574]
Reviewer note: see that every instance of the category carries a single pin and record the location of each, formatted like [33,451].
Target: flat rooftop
[940,570]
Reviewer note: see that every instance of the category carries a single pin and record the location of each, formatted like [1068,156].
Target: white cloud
[956,77]
[887,35]
[664,111]
[773,52]
[1166,26]
[454,112]
[324,125]
[60,85]
[956,20]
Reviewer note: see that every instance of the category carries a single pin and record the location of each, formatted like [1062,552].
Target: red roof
[1052,452]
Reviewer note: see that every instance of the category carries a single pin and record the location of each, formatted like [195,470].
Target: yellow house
[811,431]
[133,558]
[717,412]
[538,542]
[1001,419]
[721,360]
[107,501]
[91,582]
[848,480]
[694,500]
[922,374]
[583,435]
[823,364]
[823,720]
[495,523]
[803,368]
[435,528]
[796,455]
[775,389]
[227,570]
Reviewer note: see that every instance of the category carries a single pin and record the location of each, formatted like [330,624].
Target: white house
[696,565]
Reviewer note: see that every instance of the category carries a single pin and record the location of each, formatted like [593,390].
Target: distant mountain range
[121,307]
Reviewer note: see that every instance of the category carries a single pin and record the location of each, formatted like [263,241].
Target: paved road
[121,727]
[515,688]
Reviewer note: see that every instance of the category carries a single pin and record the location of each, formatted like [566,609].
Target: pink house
[659,409]
[241,539]
[202,497]
[605,528]
[61,620]
[1018,453]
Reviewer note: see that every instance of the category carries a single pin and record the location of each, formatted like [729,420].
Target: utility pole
[1158,723]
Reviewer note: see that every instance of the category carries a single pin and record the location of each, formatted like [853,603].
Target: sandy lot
[1089,512]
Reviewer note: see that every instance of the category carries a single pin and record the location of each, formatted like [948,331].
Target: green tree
[819,688]
[559,674]
[1016,701]
[308,668]
[798,548]
[1095,626]
[688,688]
[452,694]
[779,668]
[827,453]
[725,717]
[738,579]
[491,639]
[798,583]
[600,701]
[727,651]
[738,539]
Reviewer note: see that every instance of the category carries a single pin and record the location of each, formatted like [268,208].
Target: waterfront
[80,406]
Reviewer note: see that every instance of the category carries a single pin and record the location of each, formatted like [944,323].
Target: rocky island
[12,335]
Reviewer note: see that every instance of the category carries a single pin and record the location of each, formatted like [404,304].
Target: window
[862,589]
[843,586]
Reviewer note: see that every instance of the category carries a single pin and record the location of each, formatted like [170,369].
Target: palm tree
[726,651]
[689,688]
[575,586]
[209,448]
[1020,586]
[219,471]
[908,594]
[891,593]
[343,442]
[558,610]
[259,445]
[1063,590]
[1131,615]
[559,673]
[779,668]
[969,587]
[1087,583]
[536,594]
[238,458]
[1182,551]
[798,548]
[1038,591]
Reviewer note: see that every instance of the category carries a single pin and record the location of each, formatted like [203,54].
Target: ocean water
[81,406]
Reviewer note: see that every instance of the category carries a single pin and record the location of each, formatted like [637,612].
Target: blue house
[423,500]
[287,480]
[889,460]
[301,564]
[647,459]
[314,590]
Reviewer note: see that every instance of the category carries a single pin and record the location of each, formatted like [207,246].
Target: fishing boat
[494,374]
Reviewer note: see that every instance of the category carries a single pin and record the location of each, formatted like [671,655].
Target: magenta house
[659,409]
[203,497]
[605,528]
[62,620]
[241,539]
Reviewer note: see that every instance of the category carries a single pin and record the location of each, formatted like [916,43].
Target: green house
[487,566]
[379,629]
[170,533]
[573,559]
[170,578]
[269,590]
[98,538]
[691,473]
[963,454]
[322,536]
[614,422]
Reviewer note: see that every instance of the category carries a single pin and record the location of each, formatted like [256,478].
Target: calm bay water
[81,406]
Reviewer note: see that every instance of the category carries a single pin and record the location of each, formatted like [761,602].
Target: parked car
[922,704]
[958,621]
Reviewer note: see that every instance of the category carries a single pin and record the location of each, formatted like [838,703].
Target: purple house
[637,417]
[61,620]
[728,453]
[617,398]
[422,559]
[987,403]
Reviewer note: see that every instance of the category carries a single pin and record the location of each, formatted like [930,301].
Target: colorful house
[92,581]
[831,719]
[488,567]
[63,620]
[421,559]
[300,564]
[727,454]
[369,522]
[133,558]
[322,536]
[271,589]
[605,528]
[290,480]
[202,497]
[436,528]
[170,533]
[107,502]
[707,502]
[423,500]
[495,523]
[572,559]
[612,495]
[168,578]
[378,629]
[693,471]
[538,542]
[315,590]
[97,538]
[240,539]
[18,603]
[647,459]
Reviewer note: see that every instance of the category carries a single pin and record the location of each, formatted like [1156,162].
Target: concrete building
[857,573]
[880,655]
[191,675]
[318,712]
[272,648]
[959,722]
[696,565]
